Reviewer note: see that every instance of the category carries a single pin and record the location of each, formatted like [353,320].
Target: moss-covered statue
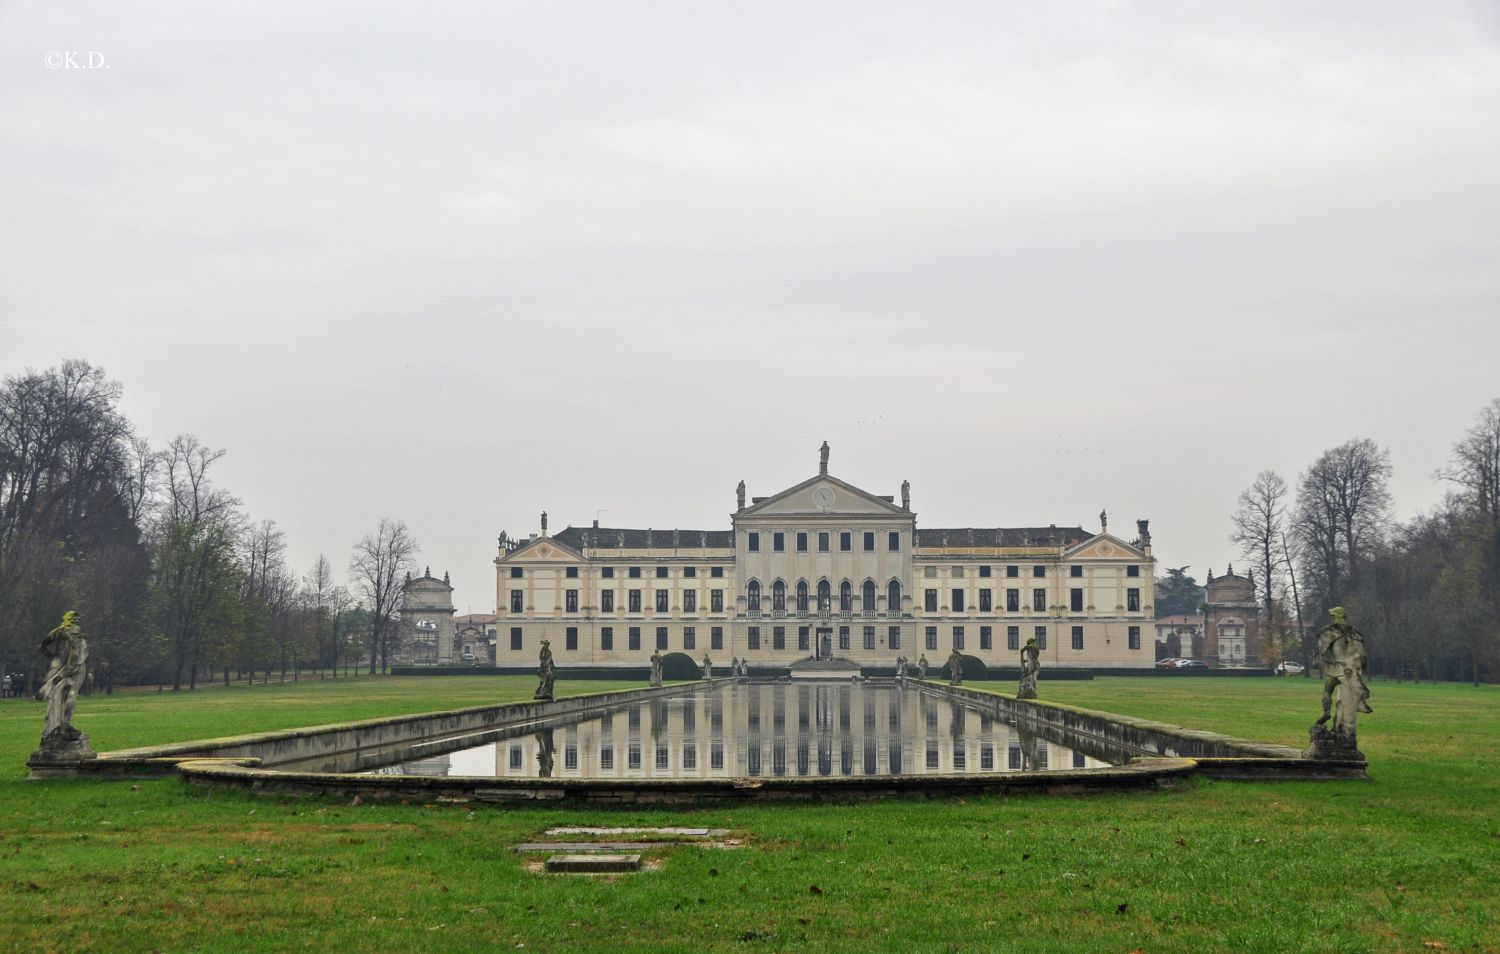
[955,668]
[708,667]
[546,672]
[922,667]
[1031,664]
[1341,659]
[62,745]
[656,670]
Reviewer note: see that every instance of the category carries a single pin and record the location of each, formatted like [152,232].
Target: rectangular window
[802,541]
[716,571]
[778,637]
[846,541]
[958,571]
[690,601]
[607,638]
[1075,600]
[869,637]
[843,637]
[893,541]
[1077,637]
[635,573]
[1039,600]
[1133,600]
[957,600]
[570,638]
[930,572]
[984,572]
[661,637]
[607,601]
[516,573]
[894,637]
[690,571]
[607,757]
[1039,570]
[823,541]
[716,601]
[958,638]
[752,542]
[570,601]
[1075,570]
[716,637]
[607,572]
[1013,600]
[778,541]
[1132,570]
[515,638]
[1134,635]
[1013,638]
[635,601]
[752,637]
[635,638]
[869,541]
[986,601]
[661,573]
[1041,637]
[571,573]
[689,637]
[985,638]
[517,757]
[929,601]
[518,601]
[932,638]
[1012,571]
[662,600]
[804,638]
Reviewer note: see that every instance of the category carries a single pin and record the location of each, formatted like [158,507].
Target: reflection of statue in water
[1341,657]
[1028,749]
[546,751]
[547,672]
[922,667]
[708,667]
[656,669]
[69,652]
[955,669]
[1031,664]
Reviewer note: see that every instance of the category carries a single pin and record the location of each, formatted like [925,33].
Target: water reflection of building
[786,729]
[825,561]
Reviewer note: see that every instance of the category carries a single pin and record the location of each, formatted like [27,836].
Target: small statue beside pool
[955,669]
[656,670]
[708,667]
[547,672]
[1031,664]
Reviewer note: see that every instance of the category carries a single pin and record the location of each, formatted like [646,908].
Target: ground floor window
[1077,637]
[984,638]
[635,638]
[752,638]
[932,638]
[869,637]
[689,637]
[778,637]
[1041,637]
[571,638]
[895,637]
[515,638]
[716,637]
[804,637]
[607,638]
[661,637]
[1135,637]
[843,637]
[958,638]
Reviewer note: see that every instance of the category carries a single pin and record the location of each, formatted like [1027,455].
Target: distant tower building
[1231,620]
[427,635]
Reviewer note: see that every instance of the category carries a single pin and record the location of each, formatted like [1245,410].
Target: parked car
[1190,664]
[1169,663]
[1289,668]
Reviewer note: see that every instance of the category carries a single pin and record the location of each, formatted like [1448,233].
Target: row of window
[824,541]
[804,638]
[1013,600]
[1012,571]
[633,601]
[717,572]
[753,596]
[633,572]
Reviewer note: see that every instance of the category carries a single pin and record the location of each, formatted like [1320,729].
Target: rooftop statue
[739,493]
[905,495]
[823,458]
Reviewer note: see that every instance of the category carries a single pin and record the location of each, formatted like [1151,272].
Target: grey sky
[457,263]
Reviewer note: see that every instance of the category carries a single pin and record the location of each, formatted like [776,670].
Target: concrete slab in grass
[594,864]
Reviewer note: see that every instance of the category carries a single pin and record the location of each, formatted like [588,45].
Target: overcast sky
[458,263]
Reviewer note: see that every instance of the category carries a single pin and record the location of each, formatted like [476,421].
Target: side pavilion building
[826,568]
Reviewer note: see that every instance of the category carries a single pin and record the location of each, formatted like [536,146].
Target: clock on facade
[823,498]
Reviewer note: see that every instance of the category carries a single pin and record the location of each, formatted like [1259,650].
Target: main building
[826,568]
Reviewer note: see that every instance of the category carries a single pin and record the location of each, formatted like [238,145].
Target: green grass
[1410,856]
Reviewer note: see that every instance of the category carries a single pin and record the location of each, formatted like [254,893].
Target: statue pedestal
[1325,744]
[60,756]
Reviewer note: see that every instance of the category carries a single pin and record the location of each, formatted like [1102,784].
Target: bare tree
[317,594]
[1342,509]
[379,567]
[1259,523]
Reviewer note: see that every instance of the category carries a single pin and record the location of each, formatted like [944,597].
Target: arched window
[867,597]
[752,596]
[778,596]
[846,597]
[825,597]
[802,596]
[893,598]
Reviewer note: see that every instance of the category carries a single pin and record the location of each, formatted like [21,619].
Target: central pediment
[823,495]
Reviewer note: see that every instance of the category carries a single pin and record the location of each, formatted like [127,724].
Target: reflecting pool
[748,730]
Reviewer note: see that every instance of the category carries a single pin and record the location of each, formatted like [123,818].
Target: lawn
[1407,861]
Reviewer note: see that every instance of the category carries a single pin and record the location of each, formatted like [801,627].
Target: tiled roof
[609,538]
[1001,536]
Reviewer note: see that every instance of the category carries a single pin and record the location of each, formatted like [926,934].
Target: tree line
[1425,592]
[174,582]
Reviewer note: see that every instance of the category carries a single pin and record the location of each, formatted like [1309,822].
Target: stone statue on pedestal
[63,746]
[656,670]
[823,458]
[739,493]
[922,666]
[708,667]
[1341,658]
[1031,664]
[546,672]
[955,668]
[905,495]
